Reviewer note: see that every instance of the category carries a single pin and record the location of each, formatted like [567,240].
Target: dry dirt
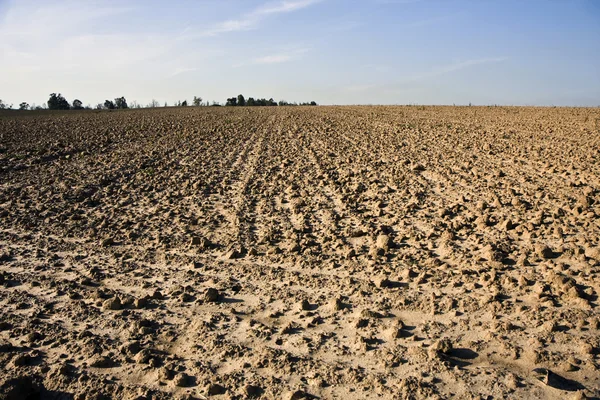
[324,252]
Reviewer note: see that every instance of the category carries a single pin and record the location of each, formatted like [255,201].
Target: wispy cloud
[360,88]
[397,1]
[284,7]
[26,27]
[182,70]
[224,27]
[30,20]
[457,66]
[433,20]
[432,73]
[376,67]
[83,48]
[276,58]
[250,20]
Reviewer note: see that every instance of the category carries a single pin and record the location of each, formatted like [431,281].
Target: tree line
[57,101]
[241,101]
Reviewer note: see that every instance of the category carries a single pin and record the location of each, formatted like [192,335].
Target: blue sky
[522,52]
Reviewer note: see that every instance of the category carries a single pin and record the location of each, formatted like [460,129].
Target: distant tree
[153,104]
[2,105]
[241,101]
[166,105]
[77,104]
[215,104]
[23,106]
[252,102]
[184,103]
[109,105]
[197,102]
[38,108]
[58,102]
[121,103]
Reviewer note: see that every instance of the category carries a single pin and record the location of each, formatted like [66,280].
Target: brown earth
[324,252]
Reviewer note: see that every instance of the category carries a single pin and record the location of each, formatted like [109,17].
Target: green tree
[241,101]
[109,105]
[23,106]
[77,104]
[58,102]
[250,102]
[232,101]
[197,101]
[121,103]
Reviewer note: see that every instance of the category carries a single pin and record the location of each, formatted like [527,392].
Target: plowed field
[300,252]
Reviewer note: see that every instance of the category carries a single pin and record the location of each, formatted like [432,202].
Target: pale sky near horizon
[520,52]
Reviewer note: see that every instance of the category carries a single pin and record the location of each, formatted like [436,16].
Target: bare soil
[300,252]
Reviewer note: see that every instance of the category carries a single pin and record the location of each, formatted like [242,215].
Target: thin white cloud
[458,66]
[360,88]
[30,20]
[284,7]
[433,20]
[92,47]
[182,70]
[276,58]
[397,1]
[225,27]
[432,73]
[375,67]
[57,37]
[250,20]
